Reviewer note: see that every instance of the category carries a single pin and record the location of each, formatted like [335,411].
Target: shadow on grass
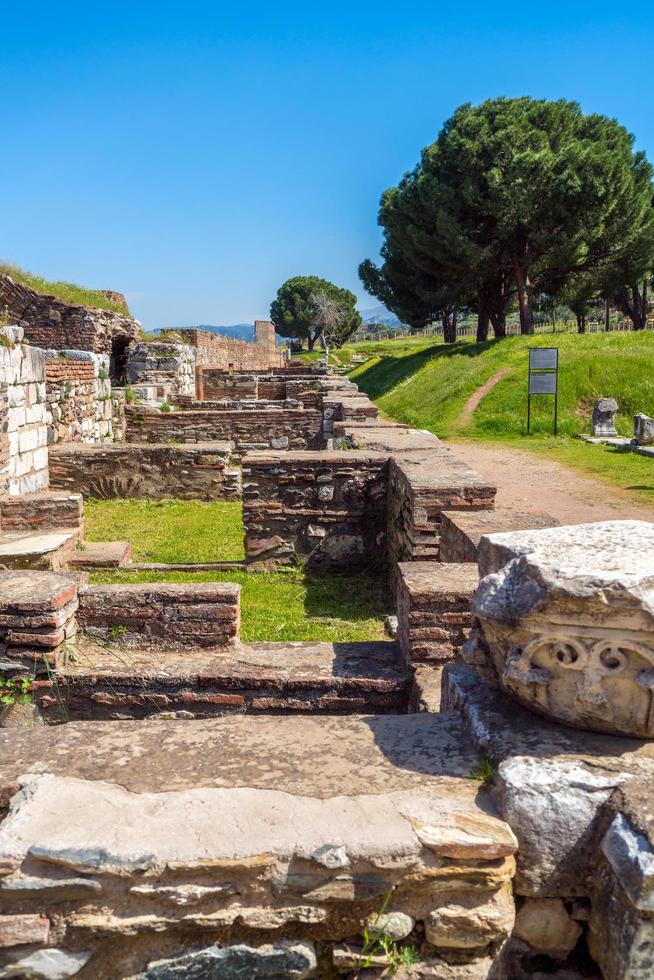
[389,371]
[349,597]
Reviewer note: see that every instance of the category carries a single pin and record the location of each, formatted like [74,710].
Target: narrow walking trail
[476,397]
[528,482]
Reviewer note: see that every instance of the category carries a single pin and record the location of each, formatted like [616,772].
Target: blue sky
[196,155]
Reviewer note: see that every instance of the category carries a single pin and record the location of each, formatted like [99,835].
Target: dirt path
[528,482]
[476,397]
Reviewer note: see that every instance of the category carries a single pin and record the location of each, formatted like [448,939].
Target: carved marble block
[564,623]
[643,430]
[604,417]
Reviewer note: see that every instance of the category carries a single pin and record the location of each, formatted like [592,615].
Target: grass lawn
[169,530]
[69,292]
[293,604]
[427,386]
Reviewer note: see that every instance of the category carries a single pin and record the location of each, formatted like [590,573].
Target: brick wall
[51,323]
[420,487]
[166,616]
[170,367]
[327,507]
[147,471]
[214,351]
[216,385]
[42,512]
[433,603]
[258,429]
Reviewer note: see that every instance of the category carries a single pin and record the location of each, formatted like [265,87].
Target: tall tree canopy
[294,310]
[514,197]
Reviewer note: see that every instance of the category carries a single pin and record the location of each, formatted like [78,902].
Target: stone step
[115,682]
[26,549]
[101,554]
[156,841]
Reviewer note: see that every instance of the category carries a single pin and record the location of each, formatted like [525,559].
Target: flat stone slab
[21,546]
[101,554]
[462,531]
[610,549]
[157,837]
[107,681]
[426,580]
[316,756]
[29,591]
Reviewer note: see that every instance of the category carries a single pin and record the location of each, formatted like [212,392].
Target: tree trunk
[524,290]
[498,322]
[449,327]
[482,325]
[310,342]
[581,322]
[639,307]
[607,315]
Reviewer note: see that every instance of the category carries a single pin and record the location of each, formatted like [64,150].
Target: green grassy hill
[427,385]
[69,292]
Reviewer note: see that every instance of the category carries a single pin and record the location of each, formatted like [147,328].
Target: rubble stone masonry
[51,323]
[82,407]
[259,429]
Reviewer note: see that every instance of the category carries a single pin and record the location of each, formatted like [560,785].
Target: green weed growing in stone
[15,690]
[115,631]
[166,407]
[483,770]
[378,943]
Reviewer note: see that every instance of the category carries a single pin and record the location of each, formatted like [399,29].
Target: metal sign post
[543,378]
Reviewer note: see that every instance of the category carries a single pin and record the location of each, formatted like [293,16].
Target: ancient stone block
[461,531]
[603,420]
[643,430]
[566,624]
[284,959]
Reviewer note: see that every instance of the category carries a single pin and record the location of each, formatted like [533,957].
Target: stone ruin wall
[23,415]
[167,368]
[257,429]
[328,508]
[151,472]
[52,323]
[81,404]
[215,351]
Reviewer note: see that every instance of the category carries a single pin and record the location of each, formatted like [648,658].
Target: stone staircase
[109,681]
[45,530]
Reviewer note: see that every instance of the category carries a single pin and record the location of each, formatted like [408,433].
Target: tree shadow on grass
[389,371]
[353,597]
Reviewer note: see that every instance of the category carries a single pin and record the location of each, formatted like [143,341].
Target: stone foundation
[206,614]
[255,833]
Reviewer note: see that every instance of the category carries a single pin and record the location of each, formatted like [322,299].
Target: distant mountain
[379,314]
[237,331]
